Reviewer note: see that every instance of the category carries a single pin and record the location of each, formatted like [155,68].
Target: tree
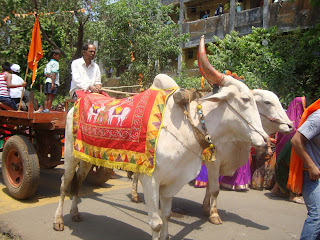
[62,26]
[136,36]
[285,63]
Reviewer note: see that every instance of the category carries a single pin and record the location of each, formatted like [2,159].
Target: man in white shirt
[85,73]
[15,93]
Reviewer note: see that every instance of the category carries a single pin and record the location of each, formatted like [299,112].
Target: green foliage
[138,28]
[314,3]
[40,98]
[285,63]
[244,55]
[60,21]
[299,52]
[188,82]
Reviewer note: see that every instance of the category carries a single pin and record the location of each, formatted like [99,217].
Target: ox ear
[257,96]
[223,94]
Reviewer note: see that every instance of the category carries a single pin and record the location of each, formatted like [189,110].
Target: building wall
[287,16]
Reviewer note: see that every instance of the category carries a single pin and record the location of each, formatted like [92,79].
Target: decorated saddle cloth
[119,133]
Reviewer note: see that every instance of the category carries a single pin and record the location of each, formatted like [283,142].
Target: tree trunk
[78,53]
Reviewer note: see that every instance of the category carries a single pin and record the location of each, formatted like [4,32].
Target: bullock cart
[34,140]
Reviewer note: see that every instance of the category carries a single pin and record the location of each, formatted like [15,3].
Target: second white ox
[274,119]
[230,116]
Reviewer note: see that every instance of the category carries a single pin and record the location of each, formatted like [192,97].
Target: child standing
[52,81]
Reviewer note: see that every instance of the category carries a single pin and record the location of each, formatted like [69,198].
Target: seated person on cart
[15,93]
[5,84]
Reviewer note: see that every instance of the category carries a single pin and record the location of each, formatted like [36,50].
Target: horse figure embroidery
[94,111]
[122,115]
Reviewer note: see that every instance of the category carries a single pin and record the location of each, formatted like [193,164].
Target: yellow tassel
[202,82]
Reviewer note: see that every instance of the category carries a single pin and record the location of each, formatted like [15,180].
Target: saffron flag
[35,50]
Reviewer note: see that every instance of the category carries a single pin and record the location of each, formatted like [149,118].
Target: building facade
[237,15]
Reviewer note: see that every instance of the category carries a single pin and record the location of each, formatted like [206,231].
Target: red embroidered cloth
[119,133]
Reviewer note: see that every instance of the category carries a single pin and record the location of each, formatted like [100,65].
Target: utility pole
[180,24]
[265,14]
[232,15]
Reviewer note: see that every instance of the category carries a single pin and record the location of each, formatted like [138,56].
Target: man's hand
[53,86]
[314,173]
[94,89]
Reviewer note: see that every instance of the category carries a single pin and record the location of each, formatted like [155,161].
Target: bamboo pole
[123,87]
[114,91]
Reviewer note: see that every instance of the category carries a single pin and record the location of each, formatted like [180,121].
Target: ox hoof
[215,220]
[136,199]
[58,226]
[77,218]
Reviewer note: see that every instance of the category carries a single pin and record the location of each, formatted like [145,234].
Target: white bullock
[230,116]
[274,119]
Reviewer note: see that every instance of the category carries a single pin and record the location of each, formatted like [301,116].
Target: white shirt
[16,92]
[83,76]
[52,67]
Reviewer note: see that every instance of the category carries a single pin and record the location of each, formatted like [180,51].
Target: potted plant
[238,6]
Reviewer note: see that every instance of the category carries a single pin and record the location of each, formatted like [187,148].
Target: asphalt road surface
[108,213]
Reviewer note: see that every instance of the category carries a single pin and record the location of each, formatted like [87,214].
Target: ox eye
[267,102]
[246,100]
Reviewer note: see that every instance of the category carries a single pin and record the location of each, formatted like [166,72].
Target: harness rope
[273,119]
[245,120]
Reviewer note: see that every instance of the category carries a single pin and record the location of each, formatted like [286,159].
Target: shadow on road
[97,227]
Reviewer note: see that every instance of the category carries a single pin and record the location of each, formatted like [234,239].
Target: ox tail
[74,185]
[129,175]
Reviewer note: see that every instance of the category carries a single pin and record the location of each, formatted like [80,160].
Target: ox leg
[151,195]
[212,191]
[166,204]
[206,201]
[214,215]
[70,169]
[82,172]
[134,189]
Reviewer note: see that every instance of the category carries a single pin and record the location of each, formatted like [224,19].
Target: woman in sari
[283,151]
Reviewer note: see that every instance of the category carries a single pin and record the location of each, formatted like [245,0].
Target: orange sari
[296,165]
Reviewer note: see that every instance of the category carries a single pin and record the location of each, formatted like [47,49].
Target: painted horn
[212,75]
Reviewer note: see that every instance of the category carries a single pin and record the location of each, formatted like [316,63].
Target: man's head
[88,51]
[55,54]
[6,67]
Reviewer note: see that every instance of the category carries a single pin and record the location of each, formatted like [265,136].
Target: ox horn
[212,75]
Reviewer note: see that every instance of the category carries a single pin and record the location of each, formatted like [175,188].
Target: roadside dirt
[6,233]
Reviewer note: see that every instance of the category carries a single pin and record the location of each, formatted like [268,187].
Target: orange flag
[35,51]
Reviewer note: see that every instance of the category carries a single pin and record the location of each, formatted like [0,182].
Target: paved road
[109,214]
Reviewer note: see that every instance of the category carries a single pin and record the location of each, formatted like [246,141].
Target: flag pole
[25,79]
[35,53]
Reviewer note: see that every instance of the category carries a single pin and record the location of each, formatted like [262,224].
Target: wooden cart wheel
[20,167]
[99,175]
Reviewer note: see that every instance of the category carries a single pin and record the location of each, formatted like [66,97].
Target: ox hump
[163,81]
